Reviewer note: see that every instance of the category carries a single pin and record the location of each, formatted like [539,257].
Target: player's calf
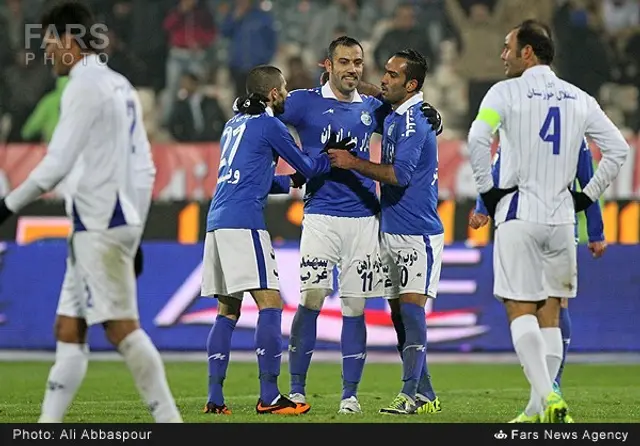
[68,371]
[218,351]
[303,340]
[353,343]
[146,367]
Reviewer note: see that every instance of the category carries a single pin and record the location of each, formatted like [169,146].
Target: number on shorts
[552,122]
[367,277]
[404,276]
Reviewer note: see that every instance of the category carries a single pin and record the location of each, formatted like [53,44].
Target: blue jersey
[251,145]
[410,145]
[595,226]
[315,114]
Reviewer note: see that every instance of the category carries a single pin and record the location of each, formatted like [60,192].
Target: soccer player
[597,246]
[94,150]
[340,226]
[542,121]
[412,235]
[238,255]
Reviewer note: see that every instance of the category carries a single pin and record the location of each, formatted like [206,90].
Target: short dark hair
[342,41]
[262,79]
[67,13]
[537,35]
[416,67]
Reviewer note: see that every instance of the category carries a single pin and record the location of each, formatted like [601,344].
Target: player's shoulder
[371,101]
[413,122]
[82,88]
[305,93]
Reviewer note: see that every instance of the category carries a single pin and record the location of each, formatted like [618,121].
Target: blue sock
[565,329]
[415,348]
[353,342]
[218,348]
[269,352]
[301,344]
[425,388]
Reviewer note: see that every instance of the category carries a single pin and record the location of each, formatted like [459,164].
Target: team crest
[365,117]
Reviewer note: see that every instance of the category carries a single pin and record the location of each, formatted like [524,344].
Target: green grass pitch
[469,393]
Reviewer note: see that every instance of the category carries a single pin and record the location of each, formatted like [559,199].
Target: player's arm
[595,225]
[495,172]
[492,113]
[80,107]
[614,150]
[407,154]
[282,142]
[280,184]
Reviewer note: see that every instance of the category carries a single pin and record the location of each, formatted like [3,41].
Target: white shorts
[532,261]
[349,243]
[412,263]
[238,260]
[99,283]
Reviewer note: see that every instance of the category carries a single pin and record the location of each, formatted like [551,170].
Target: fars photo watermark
[93,40]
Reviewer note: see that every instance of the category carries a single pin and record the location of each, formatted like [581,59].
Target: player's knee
[267,299]
[313,299]
[549,314]
[117,331]
[413,298]
[70,330]
[229,307]
[352,306]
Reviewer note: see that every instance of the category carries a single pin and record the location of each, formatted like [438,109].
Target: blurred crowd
[189,58]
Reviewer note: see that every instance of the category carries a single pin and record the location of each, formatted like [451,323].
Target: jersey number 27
[550,131]
[230,142]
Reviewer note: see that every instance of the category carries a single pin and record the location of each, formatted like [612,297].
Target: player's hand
[5,213]
[433,116]
[297,180]
[347,143]
[580,200]
[477,221]
[138,262]
[342,159]
[597,248]
[492,197]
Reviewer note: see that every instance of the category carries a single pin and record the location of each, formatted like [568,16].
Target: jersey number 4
[550,131]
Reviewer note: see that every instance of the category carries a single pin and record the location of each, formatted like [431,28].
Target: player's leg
[518,282]
[218,352]
[361,277]
[416,271]
[72,351]
[319,252]
[104,261]
[248,263]
[565,330]
[268,339]
[219,339]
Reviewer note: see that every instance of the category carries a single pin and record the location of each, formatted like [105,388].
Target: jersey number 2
[550,131]
[230,142]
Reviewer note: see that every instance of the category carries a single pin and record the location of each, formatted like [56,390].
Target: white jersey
[100,146]
[542,120]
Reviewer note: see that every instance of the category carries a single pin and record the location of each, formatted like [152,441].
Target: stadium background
[187,73]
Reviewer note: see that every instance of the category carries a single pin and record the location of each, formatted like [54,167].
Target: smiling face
[345,69]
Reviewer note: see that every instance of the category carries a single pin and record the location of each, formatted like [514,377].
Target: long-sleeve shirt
[251,146]
[99,148]
[595,226]
[542,121]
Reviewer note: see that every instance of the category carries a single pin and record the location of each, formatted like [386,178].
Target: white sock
[146,366]
[554,347]
[65,377]
[531,350]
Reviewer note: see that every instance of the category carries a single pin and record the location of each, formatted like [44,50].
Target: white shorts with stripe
[533,261]
[412,263]
[99,282]
[238,260]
